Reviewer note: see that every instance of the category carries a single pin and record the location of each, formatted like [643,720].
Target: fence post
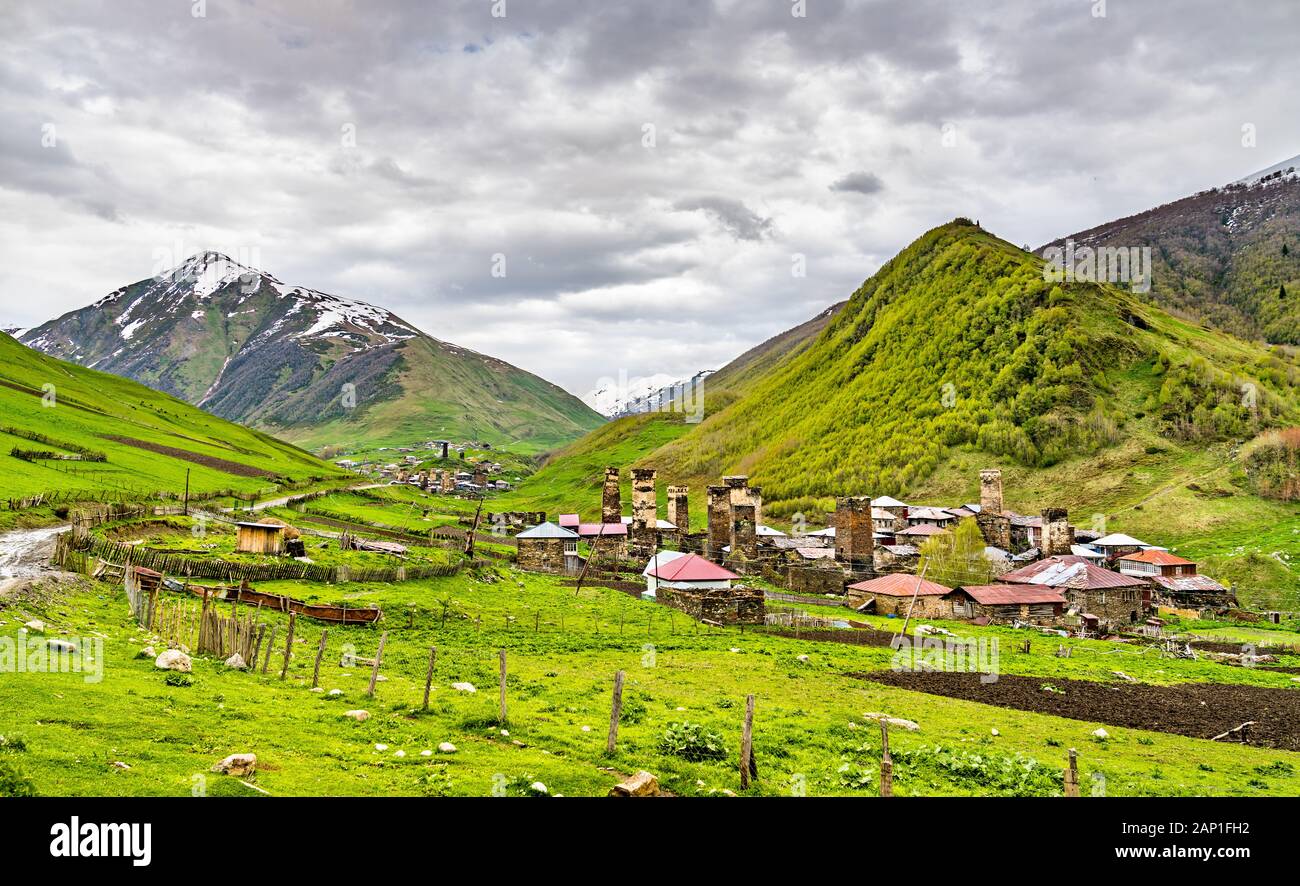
[1072,775]
[288,646]
[747,744]
[502,656]
[615,713]
[428,677]
[270,642]
[886,762]
[320,652]
[374,671]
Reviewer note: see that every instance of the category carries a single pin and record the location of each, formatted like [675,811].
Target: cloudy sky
[643,172]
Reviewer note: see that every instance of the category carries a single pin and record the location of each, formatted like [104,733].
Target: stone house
[548,548]
[892,595]
[1005,603]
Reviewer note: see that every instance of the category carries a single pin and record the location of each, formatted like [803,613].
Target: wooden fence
[81,541]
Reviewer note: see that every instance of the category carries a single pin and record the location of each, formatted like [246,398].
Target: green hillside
[149,440]
[958,355]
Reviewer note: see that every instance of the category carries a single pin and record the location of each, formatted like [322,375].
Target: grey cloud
[859,182]
[734,216]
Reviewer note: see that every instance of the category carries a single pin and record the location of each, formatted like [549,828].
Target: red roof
[568,521]
[1070,571]
[593,529]
[898,584]
[1159,558]
[998,595]
[692,567]
[923,529]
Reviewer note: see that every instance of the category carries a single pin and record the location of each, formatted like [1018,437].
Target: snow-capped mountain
[615,398]
[309,365]
[1285,169]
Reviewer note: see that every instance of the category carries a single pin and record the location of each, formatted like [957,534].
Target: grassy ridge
[90,407]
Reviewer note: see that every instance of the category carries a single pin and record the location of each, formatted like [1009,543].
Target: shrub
[691,741]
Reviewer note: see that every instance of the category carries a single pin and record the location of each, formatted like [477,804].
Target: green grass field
[562,651]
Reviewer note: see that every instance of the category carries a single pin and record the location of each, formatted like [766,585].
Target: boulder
[61,646]
[147,652]
[464,687]
[36,626]
[238,765]
[236,662]
[359,716]
[173,660]
[1100,734]
[896,722]
[643,784]
[446,748]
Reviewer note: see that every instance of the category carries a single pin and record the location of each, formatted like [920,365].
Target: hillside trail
[25,553]
[290,499]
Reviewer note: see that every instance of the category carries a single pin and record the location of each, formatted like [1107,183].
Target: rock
[399,753]
[1100,734]
[586,728]
[426,753]
[36,626]
[538,788]
[994,731]
[238,765]
[381,747]
[446,748]
[802,657]
[336,692]
[61,646]
[505,732]
[734,649]
[147,652]
[381,679]
[643,784]
[359,716]
[316,689]
[464,687]
[236,662]
[120,765]
[173,660]
[896,722]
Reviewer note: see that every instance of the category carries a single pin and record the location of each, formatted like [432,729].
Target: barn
[892,595]
[259,538]
[1036,604]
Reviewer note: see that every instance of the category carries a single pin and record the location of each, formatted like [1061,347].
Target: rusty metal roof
[898,584]
[1070,571]
[1156,556]
[1004,595]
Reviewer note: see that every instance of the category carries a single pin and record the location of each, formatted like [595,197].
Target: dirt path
[25,554]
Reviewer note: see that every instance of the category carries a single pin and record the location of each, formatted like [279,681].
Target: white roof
[659,524]
[828,532]
[1119,539]
[1085,551]
[886,502]
[660,559]
[547,530]
[768,530]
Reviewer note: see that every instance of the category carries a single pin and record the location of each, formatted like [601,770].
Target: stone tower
[611,505]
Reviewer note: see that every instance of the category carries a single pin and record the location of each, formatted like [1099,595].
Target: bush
[691,741]
[13,783]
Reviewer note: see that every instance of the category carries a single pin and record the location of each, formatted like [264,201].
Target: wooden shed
[259,538]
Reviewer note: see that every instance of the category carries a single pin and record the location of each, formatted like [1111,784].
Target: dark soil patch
[208,461]
[855,637]
[1196,710]
[1217,646]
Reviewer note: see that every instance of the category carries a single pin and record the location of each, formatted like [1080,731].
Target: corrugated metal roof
[1002,595]
[886,502]
[587,530]
[569,520]
[1120,540]
[898,584]
[816,553]
[692,567]
[1069,571]
[547,530]
[1158,557]
[922,529]
[1189,583]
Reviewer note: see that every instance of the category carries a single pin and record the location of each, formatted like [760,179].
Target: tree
[957,558]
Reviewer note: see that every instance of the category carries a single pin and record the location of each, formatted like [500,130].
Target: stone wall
[854,542]
[993,523]
[730,606]
[814,581]
[645,513]
[744,537]
[1057,534]
[611,504]
[719,520]
[679,513]
[541,554]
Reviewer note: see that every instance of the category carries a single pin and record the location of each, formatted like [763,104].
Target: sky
[592,190]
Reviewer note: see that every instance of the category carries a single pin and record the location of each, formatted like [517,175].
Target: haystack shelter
[259,538]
